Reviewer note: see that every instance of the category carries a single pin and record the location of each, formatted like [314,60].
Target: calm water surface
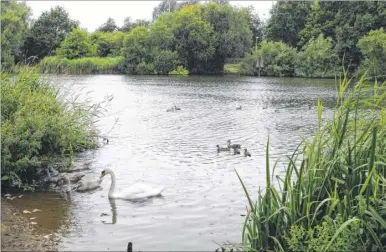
[203,200]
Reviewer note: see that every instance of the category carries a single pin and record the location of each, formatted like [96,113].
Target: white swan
[136,191]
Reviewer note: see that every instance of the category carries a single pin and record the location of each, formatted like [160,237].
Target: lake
[203,201]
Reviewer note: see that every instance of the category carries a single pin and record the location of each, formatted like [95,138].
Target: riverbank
[18,234]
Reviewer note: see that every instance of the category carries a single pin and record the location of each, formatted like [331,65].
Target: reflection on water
[113,212]
[203,200]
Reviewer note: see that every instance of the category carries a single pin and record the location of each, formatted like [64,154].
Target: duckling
[239,108]
[222,148]
[106,140]
[246,153]
[233,146]
[236,151]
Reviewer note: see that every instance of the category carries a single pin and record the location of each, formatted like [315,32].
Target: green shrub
[318,238]
[279,59]
[77,44]
[144,68]
[36,126]
[232,68]
[248,64]
[373,48]
[179,71]
[93,65]
[316,59]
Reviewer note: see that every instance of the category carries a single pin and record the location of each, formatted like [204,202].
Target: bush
[77,44]
[179,71]
[58,65]
[36,126]
[279,59]
[373,49]
[144,68]
[339,172]
[248,64]
[316,59]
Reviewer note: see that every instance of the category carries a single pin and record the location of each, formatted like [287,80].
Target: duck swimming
[233,146]
[219,149]
[246,153]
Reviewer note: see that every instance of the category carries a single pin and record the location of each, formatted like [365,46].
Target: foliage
[48,32]
[14,24]
[108,44]
[373,48]
[128,25]
[36,125]
[165,61]
[77,44]
[232,68]
[248,63]
[287,19]
[341,171]
[279,59]
[318,237]
[89,65]
[144,68]
[164,6]
[109,26]
[316,59]
[179,71]
[136,49]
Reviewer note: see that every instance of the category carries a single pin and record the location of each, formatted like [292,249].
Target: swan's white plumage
[136,191]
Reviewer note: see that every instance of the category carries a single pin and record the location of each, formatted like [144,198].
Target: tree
[279,58]
[77,44]
[48,32]
[232,36]
[194,40]
[136,49]
[286,21]
[109,26]
[164,6]
[317,58]
[108,43]
[128,24]
[14,25]
[373,49]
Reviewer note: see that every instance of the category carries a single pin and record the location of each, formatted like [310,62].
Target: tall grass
[333,194]
[38,127]
[91,65]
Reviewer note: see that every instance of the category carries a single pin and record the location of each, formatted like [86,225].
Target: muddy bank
[18,234]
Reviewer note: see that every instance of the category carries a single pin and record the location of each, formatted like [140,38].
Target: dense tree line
[309,39]
[343,24]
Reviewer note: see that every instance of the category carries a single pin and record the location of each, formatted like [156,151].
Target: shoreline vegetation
[299,39]
[333,196]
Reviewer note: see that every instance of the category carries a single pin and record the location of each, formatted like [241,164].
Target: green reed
[339,174]
[91,65]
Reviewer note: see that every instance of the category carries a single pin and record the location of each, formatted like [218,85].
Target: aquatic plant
[89,65]
[334,184]
[37,126]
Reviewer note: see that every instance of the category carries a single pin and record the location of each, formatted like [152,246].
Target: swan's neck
[112,187]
